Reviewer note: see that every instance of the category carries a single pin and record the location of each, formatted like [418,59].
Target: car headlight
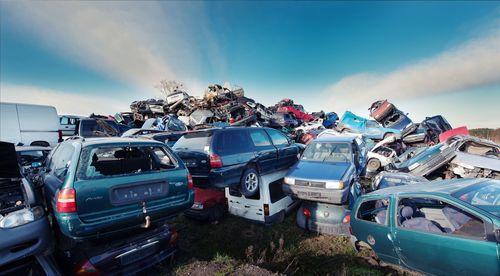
[21,217]
[289,180]
[197,206]
[334,185]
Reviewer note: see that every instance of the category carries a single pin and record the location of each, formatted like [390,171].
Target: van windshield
[328,152]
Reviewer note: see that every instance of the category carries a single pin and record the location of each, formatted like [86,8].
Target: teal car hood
[313,170]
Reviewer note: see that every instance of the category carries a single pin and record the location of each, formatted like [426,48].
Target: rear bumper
[317,194]
[73,227]
[201,215]
[134,254]
[337,229]
[31,239]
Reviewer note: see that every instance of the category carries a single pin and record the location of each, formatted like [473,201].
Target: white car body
[26,123]
[253,209]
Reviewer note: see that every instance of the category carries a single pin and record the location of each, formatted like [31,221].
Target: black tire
[249,183]
[373,165]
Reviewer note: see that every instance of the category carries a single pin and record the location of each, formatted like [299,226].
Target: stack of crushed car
[390,184]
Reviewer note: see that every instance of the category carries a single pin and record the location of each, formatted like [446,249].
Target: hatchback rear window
[100,162]
[194,141]
[98,128]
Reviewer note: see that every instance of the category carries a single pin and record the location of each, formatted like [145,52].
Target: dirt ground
[239,247]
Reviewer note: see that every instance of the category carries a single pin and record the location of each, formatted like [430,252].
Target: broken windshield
[328,152]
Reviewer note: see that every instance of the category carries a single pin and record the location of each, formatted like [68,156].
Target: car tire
[373,165]
[249,184]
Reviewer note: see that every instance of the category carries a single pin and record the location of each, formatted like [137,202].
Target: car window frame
[387,219]
[269,131]
[487,222]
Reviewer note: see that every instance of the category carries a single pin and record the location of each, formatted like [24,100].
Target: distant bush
[486,133]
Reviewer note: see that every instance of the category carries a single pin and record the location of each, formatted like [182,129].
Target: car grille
[316,184]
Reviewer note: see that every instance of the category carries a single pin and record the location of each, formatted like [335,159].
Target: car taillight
[347,218]
[173,236]
[190,182]
[307,213]
[66,201]
[87,268]
[215,161]
[60,136]
[266,209]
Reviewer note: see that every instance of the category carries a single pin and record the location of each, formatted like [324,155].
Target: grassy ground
[237,246]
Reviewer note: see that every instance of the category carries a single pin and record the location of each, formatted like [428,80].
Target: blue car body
[369,128]
[330,120]
[323,218]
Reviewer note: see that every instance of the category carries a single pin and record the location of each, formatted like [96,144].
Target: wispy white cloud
[64,101]
[473,64]
[138,43]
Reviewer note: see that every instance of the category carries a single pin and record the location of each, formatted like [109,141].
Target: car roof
[443,187]
[30,148]
[115,140]
[340,138]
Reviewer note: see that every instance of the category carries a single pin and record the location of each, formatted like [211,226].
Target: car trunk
[198,163]
[128,200]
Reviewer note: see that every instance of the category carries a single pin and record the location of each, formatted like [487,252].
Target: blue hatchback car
[369,128]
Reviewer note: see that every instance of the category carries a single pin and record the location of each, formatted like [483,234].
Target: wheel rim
[251,182]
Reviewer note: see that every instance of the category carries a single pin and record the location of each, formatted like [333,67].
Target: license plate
[310,194]
[190,162]
[138,192]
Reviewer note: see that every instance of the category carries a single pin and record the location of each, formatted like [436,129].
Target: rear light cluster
[347,218]
[190,182]
[66,201]
[266,209]
[215,161]
[307,213]
[87,268]
[174,236]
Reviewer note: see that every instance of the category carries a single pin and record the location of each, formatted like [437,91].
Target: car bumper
[137,254]
[35,238]
[201,215]
[337,229]
[317,194]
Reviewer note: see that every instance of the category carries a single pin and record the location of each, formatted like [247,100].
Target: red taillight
[266,209]
[66,201]
[347,218]
[307,213]
[190,182]
[60,136]
[173,236]
[215,161]
[87,268]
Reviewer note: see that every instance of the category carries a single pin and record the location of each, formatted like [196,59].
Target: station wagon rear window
[109,161]
[328,152]
[194,141]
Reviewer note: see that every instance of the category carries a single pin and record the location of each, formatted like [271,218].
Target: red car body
[452,132]
[298,114]
[209,205]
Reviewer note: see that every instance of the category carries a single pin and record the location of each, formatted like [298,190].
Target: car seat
[455,217]
[417,223]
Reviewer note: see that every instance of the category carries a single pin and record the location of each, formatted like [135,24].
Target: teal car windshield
[485,196]
[328,152]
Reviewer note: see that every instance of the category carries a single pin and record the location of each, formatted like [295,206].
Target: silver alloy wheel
[251,182]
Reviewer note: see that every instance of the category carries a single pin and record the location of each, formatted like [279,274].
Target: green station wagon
[97,187]
[449,227]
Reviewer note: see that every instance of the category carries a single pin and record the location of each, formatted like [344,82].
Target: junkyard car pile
[421,195]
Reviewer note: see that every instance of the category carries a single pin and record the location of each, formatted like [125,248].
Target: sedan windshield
[484,196]
[328,152]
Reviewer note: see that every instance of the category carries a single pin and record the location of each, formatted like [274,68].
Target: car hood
[9,167]
[313,170]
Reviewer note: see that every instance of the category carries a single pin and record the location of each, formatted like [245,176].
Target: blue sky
[428,58]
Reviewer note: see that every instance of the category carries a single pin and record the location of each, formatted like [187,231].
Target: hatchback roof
[443,187]
[115,140]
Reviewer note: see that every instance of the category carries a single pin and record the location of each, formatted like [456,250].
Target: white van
[268,206]
[28,123]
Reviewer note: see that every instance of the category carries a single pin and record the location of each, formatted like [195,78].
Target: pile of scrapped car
[398,188]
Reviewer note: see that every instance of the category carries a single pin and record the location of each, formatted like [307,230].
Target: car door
[464,251]
[372,226]
[265,153]
[287,152]
[57,169]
